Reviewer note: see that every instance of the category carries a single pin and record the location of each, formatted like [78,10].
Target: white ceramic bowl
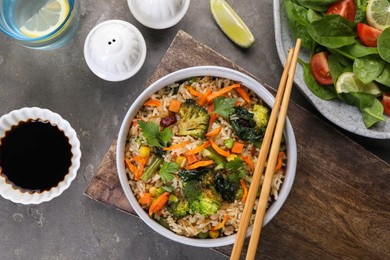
[7,190]
[222,72]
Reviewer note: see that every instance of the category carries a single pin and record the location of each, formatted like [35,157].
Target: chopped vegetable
[152,168]
[152,103]
[175,146]
[261,115]
[244,95]
[191,158]
[243,185]
[226,188]
[199,148]
[222,224]
[167,171]
[192,190]
[214,234]
[142,162]
[237,147]
[194,92]
[207,203]
[203,235]
[195,174]
[202,101]
[144,151]
[279,162]
[222,92]
[180,160]
[224,106]
[159,203]
[234,164]
[219,160]
[231,157]
[131,166]
[219,150]
[174,106]
[180,208]
[229,143]
[213,117]
[214,132]
[194,120]
[248,161]
[151,132]
[199,164]
[146,199]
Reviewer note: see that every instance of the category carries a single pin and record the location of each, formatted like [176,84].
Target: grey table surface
[72,226]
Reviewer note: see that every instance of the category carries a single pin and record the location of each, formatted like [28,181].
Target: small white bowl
[7,190]
[176,76]
[158,14]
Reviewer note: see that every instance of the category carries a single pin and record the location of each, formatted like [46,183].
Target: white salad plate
[343,115]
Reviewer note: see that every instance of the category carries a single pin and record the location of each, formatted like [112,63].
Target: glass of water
[40,24]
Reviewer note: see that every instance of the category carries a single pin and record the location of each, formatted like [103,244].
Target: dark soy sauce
[35,155]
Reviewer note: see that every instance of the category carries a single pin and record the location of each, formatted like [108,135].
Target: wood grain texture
[339,206]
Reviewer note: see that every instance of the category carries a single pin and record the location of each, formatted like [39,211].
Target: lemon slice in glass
[378,14]
[348,82]
[47,19]
[231,24]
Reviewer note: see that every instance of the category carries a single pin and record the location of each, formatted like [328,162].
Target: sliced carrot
[219,150]
[213,117]
[131,166]
[214,132]
[194,92]
[244,95]
[237,147]
[146,199]
[142,162]
[191,158]
[198,148]
[174,146]
[199,164]
[222,92]
[159,203]
[248,161]
[202,101]
[152,103]
[279,163]
[222,224]
[174,106]
[210,109]
[243,185]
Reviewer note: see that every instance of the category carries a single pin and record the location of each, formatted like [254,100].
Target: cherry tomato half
[368,35]
[386,103]
[320,69]
[345,8]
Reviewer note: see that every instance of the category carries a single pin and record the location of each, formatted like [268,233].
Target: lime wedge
[348,82]
[378,14]
[231,24]
[47,19]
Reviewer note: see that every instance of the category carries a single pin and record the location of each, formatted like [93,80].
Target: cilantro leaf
[167,170]
[224,106]
[151,132]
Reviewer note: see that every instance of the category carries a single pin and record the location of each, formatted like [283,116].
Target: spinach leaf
[226,188]
[384,77]
[167,171]
[358,50]
[368,68]
[320,91]
[335,68]
[224,106]
[358,99]
[195,174]
[298,19]
[332,31]
[318,5]
[344,58]
[373,114]
[313,15]
[384,45]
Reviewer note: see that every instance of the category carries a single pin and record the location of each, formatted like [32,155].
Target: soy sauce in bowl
[35,155]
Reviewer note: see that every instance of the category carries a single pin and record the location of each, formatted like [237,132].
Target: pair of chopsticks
[273,134]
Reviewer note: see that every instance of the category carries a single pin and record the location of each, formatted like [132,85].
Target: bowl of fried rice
[187,149]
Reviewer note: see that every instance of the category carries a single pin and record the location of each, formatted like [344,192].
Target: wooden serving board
[339,206]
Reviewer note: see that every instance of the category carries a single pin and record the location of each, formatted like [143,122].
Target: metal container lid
[115,50]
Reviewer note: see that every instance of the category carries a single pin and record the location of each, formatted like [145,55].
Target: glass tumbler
[40,24]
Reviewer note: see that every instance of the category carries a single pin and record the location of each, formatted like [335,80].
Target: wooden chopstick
[256,179]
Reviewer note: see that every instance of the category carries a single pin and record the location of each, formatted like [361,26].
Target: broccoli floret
[207,180]
[209,203]
[180,208]
[194,120]
[192,190]
[261,115]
